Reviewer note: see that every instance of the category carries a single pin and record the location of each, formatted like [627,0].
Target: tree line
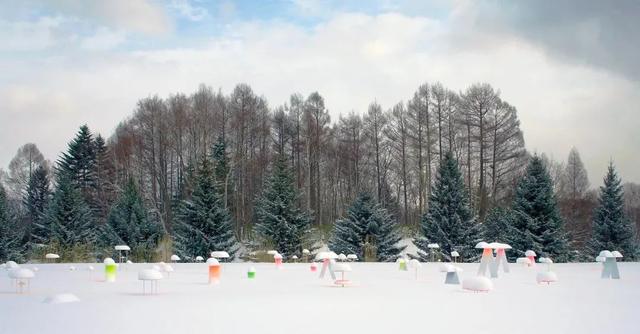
[246,170]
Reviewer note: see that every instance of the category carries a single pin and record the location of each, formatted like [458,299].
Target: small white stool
[152,276]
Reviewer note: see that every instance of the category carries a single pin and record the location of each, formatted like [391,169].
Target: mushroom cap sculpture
[342,257]
[616,254]
[305,251]
[455,254]
[499,245]
[600,258]
[109,261]
[199,258]
[149,275]
[545,260]
[523,260]
[277,256]
[606,253]
[52,256]
[11,265]
[220,255]
[352,257]
[482,245]
[212,262]
[175,257]
[326,255]
[530,253]
[21,273]
[122,248]
[272,252]
[433,246]
[295,257]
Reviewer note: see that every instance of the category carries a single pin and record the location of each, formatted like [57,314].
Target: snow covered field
[295,300]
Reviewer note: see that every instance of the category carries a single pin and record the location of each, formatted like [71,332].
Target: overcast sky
[571,68]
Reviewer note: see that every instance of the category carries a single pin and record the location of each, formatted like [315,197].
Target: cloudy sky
[572,68]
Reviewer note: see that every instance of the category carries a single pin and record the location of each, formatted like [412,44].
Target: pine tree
[10,247]
[203,224]
[280,222]
[79,162]
[612,230]
[498,226]
[367,224]
[36,201]
[68,217]
[537,222]
[449,221]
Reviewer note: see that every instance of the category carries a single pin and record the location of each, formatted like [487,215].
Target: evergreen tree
[104,172]
[279,220]
[78,164]
[537,223]
[612,230]
[130,223]
[68,217]
[222,171]
[10,247]
[449,221]
[367,225]
[498,226]
[202,223]
[36,201]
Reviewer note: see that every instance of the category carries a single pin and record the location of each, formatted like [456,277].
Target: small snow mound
[61,298]
[600,258]
[52,256]
[72,268]
[545,260]
[199,258]
[455,254]
[175,257]
[546,277]
[342,257]
[523,260]
[477,284]
[220,254]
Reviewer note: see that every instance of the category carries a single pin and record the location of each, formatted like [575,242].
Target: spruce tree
[498,226]
[10,247]
[449,221]
[36,201]
[78,163]
[131,225]
[68,217]
[203,224]
[367,223]
[280,222]
[537,222]
[612,230]
[104,172]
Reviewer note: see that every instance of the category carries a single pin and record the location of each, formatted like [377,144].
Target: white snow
[61,298]
[523,260]
[606,253]
[175,257]
[482,244]
[455,254]
[380,300]
[352,257]
[212,262]
[477,284]
[616,254]
[11,265]
[52,256]
[109,261]
[122,248]
[199,258]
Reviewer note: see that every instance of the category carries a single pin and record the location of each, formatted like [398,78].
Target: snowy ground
[294,300]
